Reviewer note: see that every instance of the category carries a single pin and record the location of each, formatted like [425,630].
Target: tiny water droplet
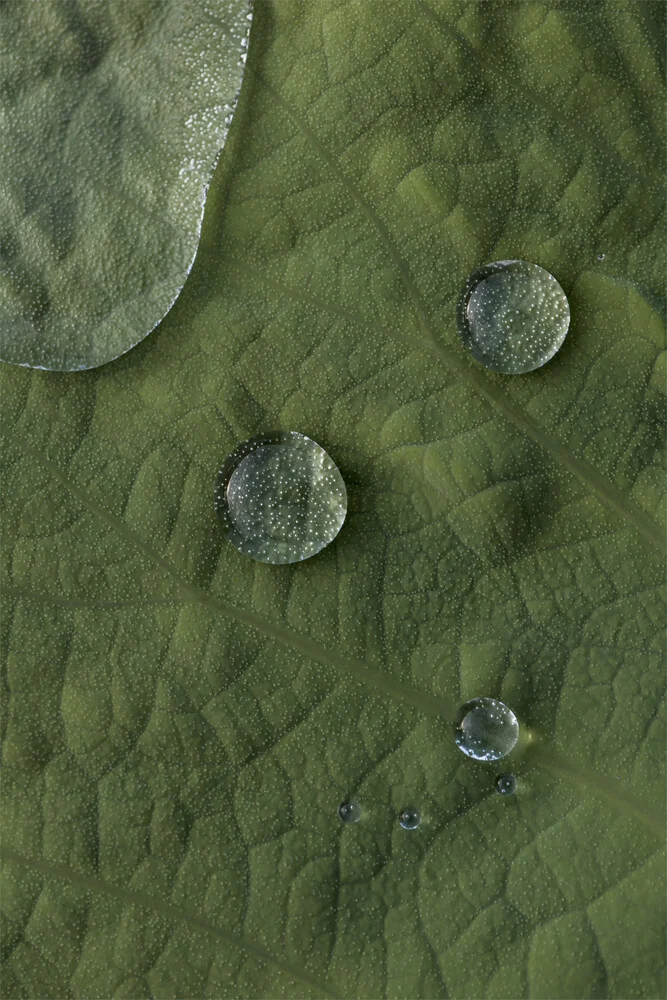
[506,784]
[601,256]
[280,497]
[513,316]
[349,812]
[486,729]
[409,818]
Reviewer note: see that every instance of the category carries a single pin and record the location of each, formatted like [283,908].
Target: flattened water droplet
[506,784]
[280,497]
[349,812]
[409,818]
[486,729]
[513,316]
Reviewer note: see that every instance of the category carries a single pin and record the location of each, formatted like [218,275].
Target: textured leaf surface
[113,115]
[181,723]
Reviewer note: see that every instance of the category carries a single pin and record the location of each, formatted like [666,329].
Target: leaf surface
[181,723]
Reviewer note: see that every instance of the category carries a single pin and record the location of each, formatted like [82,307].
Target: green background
[180,723]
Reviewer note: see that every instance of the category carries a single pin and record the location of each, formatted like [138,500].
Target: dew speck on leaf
[409,818]
[486,729]
[505,784]
[280,497]
[349,812]
[513,316]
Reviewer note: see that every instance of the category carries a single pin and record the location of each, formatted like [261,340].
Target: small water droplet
[349,812]
[506,784]
[486,729]
[409,818]
[513,316]
[280,497]
[601,256]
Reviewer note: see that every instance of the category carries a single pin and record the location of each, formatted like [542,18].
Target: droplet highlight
[349,812]
[486,729]
[409,818]
[280,497]
[506,784]
[513,316]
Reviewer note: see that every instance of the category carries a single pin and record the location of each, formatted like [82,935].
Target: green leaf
[113,115]
[181,722]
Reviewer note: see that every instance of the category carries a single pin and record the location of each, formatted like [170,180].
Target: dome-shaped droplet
[506,784]
[513,316]
[280,497]
[486,729]
[409,818]
[349,812]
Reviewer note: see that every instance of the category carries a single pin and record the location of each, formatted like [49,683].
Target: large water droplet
[280,497]
[486,729]
[349,812]
[506,784]
[409,818]
[513,316]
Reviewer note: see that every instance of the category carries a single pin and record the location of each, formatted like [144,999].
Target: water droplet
[513,316]
[506,784]
[349,812]
[280,497]
[409,818]
[601,256]
[487,729]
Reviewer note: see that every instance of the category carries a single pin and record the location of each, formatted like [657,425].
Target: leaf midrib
[374,679]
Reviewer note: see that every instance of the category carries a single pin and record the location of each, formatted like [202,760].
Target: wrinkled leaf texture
[181,722]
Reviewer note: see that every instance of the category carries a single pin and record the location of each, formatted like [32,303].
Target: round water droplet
[280,497]
[601,256]
[409,818]
[349,812]
[513,316]
[487,729]
[506,784]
